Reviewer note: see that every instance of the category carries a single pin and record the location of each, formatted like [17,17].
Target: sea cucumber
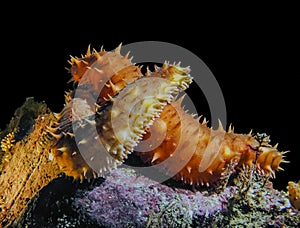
[203,153]
[81,116]
[214,150]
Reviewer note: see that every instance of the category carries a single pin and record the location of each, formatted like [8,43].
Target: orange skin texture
[117,71]
[239,148]
[294,193]
[203,168]
[70,161]
[80,66]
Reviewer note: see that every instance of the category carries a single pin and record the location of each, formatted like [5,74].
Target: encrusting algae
[104,120]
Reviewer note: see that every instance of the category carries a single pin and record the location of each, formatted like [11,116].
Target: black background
[253,55]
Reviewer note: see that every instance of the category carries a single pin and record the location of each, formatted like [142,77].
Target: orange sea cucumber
[119,142]
[210,151]
[209,158]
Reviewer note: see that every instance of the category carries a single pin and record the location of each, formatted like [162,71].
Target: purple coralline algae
[126,199]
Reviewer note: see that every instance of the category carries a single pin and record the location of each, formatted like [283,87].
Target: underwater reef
[78,167]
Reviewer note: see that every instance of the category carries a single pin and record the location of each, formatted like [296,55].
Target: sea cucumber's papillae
[115,123]
[213,151]
[210,159]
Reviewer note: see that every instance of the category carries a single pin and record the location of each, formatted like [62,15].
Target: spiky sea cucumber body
[104,69]
[213,152]
[203,153]
[103,74]
[82,125]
